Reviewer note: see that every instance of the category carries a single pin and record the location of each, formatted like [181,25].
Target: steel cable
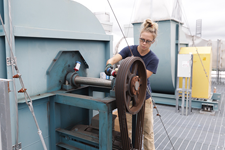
[160,117]
[14,85]
[120,28]
[123,99]
[147,86]
[185,18]
[131,18]
[25,92]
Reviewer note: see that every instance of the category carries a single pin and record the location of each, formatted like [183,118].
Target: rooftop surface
[193,132]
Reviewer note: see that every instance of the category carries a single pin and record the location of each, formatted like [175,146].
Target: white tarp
[218,50]
[197,41]
[157,10]
[104,19]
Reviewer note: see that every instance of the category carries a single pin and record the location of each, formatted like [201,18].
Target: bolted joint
[22,90]
[17,76]
[17,146]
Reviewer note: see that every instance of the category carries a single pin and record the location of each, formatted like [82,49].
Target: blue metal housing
[41,30]
[168,43]
[166,49]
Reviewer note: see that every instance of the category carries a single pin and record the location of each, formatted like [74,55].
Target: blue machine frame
[66,139]
[41,29]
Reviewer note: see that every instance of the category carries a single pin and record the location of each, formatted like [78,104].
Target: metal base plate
[212,113]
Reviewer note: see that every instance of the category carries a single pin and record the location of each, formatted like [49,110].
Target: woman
[147,38]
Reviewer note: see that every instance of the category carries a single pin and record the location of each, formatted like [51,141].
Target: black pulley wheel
[131,84]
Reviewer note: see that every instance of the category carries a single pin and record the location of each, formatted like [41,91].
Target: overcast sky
[210,11]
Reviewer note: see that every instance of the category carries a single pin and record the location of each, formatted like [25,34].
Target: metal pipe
[11,35]
[187,96]
[189,109]
[217,62]
[183,92]
[177,95]
[92,81]
[5,122]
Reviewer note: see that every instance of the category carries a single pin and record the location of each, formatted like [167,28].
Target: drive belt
[130,91]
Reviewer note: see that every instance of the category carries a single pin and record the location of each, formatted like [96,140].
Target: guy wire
[185,18]
[160,117]
[130,18]
[14,86]
[147,87]
[22,84]
[120,28]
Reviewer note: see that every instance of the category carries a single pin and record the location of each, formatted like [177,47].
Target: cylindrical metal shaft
[92,81]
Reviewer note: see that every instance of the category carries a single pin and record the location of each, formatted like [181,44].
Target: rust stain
[22,90]
[8,88]
[16,76]
[54,59]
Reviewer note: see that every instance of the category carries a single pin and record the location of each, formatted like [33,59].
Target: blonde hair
[150,26]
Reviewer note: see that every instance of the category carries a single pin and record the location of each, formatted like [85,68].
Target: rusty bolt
[158,115]
[22,90]
[16,76]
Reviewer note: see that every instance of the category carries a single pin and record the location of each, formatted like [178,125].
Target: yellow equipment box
[201,84]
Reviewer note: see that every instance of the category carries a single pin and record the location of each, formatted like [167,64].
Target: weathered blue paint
[78,145]
[34,49]
[170,39]
[78,137]
[2,58]
[27,129]
[58,34]
[165,49]
[105,129]
[2,11]
[64,15]
[54,123]
[37,97]
[61,65]
[81,104]
[41,29]
[81,101]
[216,96]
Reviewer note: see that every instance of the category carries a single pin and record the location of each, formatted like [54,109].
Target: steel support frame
[167,99]
[104,106]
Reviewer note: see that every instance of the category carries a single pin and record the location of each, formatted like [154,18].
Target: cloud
[211,13]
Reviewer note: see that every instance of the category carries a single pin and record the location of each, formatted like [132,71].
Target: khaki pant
[148,125]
